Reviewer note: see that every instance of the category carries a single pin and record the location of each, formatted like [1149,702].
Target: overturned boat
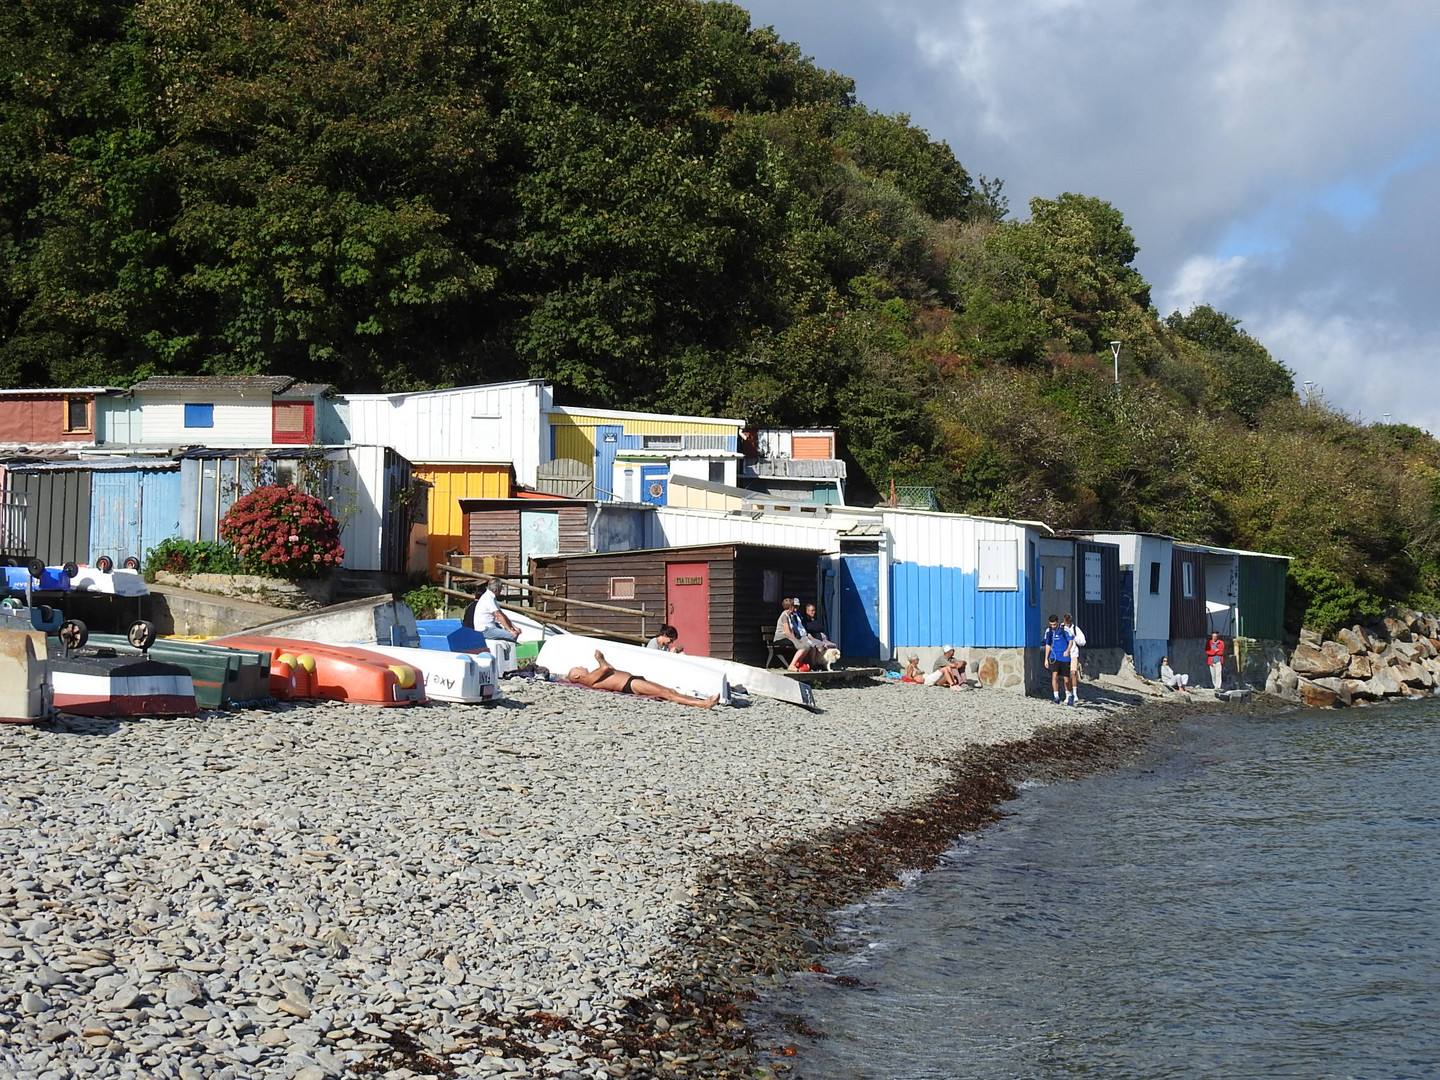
[561,652]
[301,668]
[222,676]
[100,682]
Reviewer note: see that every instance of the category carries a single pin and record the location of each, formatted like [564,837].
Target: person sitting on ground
[912,671]
[605,677]
[789,628]
[484,614]
[947,671]
[665,640]
[1171,679]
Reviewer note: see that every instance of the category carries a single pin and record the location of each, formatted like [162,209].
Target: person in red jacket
[1215,657]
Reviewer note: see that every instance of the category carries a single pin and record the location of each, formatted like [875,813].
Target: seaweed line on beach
[757,918]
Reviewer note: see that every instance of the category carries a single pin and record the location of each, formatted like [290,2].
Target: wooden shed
[1188,617]
[526,526]
[718,596]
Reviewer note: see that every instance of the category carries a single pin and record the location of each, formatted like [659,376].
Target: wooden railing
[547,597]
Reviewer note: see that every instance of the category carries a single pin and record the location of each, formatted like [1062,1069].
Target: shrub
[189,557]
[426,601]
[1327,600]
[282,532]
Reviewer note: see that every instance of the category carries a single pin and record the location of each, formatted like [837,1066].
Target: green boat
[222,676]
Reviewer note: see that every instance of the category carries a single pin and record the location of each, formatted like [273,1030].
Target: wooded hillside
[653,205]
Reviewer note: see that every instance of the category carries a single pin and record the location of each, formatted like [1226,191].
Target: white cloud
[1203,279]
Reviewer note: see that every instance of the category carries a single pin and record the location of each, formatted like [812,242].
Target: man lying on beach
[606,677]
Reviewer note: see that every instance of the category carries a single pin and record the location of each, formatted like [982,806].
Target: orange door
[687,605]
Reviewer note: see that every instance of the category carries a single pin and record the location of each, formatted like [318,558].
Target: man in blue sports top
[1056,646]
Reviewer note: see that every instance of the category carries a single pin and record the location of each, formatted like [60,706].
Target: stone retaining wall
[292,595]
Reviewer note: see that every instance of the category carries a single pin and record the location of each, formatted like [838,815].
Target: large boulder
[1397,630]
[1424,648]
[1336,687]
[1384,682]
[1360,690]
[1405,650]
[1331,658]
[1310,637]
[1414,675]
[1360,666]
[1317,696]
[1353,640]
[1283,682]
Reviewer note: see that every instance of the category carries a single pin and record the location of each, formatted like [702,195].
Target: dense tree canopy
[650,203]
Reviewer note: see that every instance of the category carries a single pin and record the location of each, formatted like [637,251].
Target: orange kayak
[309,669]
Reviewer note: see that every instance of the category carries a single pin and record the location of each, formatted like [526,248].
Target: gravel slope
[278,893]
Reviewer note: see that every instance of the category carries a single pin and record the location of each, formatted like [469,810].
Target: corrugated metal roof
[445,390]
[1211,549]
[257,384]
[98,465]
[663,455]
[617,414]
[711,485]
[46,391]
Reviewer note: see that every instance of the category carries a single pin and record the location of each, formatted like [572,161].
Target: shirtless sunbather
[606,677]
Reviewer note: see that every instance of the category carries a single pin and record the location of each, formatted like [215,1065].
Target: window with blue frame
[199,416]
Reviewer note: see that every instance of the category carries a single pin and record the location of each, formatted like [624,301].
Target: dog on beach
[830,657]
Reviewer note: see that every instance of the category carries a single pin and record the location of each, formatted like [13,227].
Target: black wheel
[142,634]
[71,569]
[105,564]
[73,634]
[46,612]
[36,568]
[131,563]
[7,561]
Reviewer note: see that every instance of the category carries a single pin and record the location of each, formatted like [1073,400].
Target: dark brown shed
[1187,594]
[718,596]
[517,529]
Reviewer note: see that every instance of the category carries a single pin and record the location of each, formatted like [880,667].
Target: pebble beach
[515,890]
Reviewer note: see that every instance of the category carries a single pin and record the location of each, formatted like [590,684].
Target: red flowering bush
[282,532]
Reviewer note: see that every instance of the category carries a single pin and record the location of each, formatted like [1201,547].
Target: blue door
[654,483]
[607,441]
[860,605]
[132,510]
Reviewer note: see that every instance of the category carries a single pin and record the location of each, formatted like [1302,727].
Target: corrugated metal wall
[57,513]
[1262,598]
[1187,613]
[496,423]
[1100,619]
[935,596]
[450,484]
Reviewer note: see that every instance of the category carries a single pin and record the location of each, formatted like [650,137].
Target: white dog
[830,657]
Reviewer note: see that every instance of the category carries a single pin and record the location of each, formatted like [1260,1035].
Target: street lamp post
[1115,348]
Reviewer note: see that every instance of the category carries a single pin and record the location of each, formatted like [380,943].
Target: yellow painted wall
[450,484]
[646,426]
[575,441]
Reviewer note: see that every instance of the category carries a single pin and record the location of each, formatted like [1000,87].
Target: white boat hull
[758,682]
[463,678]
[561,652]
[115,583]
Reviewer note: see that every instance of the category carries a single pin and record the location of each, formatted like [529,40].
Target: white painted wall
[239,420]
[499,422]
[1152,610]
[363,473]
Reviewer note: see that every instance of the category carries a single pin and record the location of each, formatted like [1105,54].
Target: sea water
[1256,897]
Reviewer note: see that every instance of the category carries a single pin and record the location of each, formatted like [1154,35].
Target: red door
[687,604]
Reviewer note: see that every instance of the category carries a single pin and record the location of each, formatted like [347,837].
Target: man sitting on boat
[606,677]
[484,614]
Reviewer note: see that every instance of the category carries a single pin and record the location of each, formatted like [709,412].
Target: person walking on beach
[1077,639]
[605,677]
[1215,657]
[1056,646]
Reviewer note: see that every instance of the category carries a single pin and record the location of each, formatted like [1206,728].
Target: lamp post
[1115,348]
[1309,389]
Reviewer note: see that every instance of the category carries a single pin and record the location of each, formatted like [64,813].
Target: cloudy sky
[1278,159]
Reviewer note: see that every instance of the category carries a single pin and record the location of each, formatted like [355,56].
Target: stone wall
[1391,657]
[291,595]
[1017,671]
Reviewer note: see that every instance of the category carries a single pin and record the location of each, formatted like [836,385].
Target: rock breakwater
[1398,655]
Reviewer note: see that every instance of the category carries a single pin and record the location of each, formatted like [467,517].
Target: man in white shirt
[484,614]
[1077,639]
